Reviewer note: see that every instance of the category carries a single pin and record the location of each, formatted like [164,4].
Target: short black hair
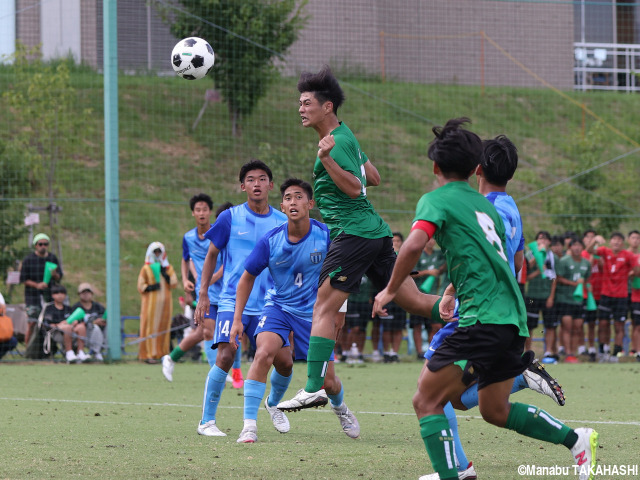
[254,164]
[291,182]
[398,234]
[323,85]
[557,240]
[456,151]
[617,234]
[223,207]
[499,160]
[575,240]
[58,289]
[633,231]
[201,197]
[588,231]
[543,233]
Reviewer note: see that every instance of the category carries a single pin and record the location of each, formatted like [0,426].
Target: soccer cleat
[210,429]
[376,357]
[82,357]
[248,435]
[279,419]
[468,473]
[167,367]
[71,356]
[236,375]
[539,380]
[584,452]
[98,357]
[303,400]
[571,359]
[348,421]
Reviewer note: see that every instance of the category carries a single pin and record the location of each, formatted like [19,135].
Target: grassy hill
[163,161]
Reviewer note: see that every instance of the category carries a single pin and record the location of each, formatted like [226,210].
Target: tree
[247,37]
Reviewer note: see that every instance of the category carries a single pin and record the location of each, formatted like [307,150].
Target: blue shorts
[446,330]
[276,320]
[223,328]
[213,312]
[439,337]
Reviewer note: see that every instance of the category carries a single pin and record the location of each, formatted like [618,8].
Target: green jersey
[539,287]
[354,216]
[471,235]
[568,268]
[431,261]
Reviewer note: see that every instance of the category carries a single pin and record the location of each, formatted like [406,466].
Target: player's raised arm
[245,285]
[208,267]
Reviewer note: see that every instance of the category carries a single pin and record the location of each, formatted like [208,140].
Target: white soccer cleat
[304,400]
[584,452]
[98,357]
[71,356]
[468,473]
[210,429]
[82,356]
[167,367]
[278,417]
[248,435]
[539,380]
[348,421]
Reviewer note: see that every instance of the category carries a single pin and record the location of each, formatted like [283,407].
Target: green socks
[320,349]
[176,354]
[438,439]
[536,423]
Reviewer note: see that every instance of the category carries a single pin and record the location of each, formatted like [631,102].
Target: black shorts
[534,307]
[493,352]
[635,312]
[590,316]
[568,309]
[611,308]
[358,314]
[350,257]
[395,320]
[415,320]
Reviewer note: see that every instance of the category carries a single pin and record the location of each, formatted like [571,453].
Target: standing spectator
[357,318]
[595,282]
[395,320]
[33,274]
[633,241]
[157,277]
[572,270]
[616,266]
[7,340]
[541,292]
[95,320]
[431,265]
[558,249]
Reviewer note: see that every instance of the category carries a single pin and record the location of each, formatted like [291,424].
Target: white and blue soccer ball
[192,58]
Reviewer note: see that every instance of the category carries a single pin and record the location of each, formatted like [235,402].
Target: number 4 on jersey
[489,229]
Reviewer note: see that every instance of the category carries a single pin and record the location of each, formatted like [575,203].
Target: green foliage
[247,37]
[14,180]
[588,195]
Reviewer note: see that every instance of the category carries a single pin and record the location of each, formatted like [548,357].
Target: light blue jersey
[196,250]
[235,234]
[506,207]
[295,267]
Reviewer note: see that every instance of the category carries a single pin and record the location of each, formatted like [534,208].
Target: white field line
[360,412]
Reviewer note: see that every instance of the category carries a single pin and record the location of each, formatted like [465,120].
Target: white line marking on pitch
[148,404]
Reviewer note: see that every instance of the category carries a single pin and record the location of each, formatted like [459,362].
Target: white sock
[249,422]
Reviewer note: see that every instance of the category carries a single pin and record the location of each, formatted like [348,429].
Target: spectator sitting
[7,340]
[56,316]
[95,320]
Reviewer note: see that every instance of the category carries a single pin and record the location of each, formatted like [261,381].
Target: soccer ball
[192,58]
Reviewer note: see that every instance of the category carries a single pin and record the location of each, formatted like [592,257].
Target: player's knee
[225,357]
[494,413]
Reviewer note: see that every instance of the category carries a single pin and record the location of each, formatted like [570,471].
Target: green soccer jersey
[568,268]
[471,235]
[354,216]
[430,262]
[539,287]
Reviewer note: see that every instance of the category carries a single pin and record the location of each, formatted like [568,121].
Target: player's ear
[479,170]
[312,204]
[242,187]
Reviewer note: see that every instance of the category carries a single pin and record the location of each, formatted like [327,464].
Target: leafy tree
[247,37]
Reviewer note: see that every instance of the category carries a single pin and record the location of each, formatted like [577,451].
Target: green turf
[124,421]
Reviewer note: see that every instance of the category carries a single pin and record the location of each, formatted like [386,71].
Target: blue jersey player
[234,235]
[194,250]
[293,253]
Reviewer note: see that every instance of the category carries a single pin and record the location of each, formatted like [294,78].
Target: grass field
[124,421]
